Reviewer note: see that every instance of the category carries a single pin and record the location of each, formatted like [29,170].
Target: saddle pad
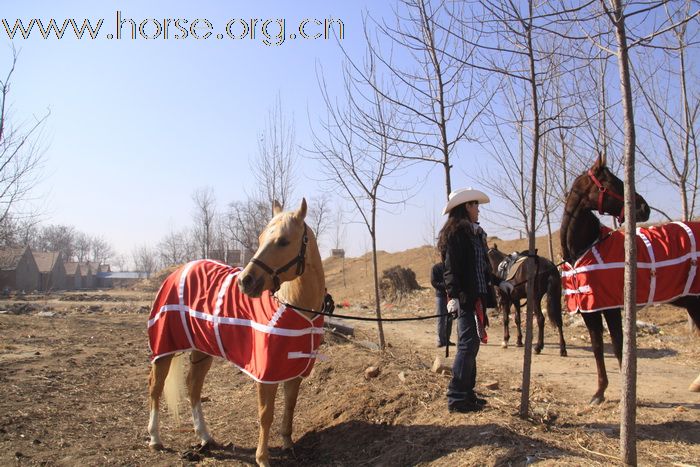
[199,306]
[515,267]
[667,257]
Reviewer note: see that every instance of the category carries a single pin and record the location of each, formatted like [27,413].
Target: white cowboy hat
[464,195]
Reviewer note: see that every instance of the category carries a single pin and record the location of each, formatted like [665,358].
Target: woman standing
[462,245]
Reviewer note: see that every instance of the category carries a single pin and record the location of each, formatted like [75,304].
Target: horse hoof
[156,447]
[519,344]
[596,400]
[287,442]
[504,345]
[694,387]
[562,353]
[538,350]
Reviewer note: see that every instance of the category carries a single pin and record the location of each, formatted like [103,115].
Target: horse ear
[301,212]
[601,161]
[276,208]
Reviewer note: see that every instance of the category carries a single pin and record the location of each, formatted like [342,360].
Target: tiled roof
[46,260]
[10,257]
[71,268]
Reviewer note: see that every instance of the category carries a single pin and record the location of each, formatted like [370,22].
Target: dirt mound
[84,297]
[397,282]
[153,283]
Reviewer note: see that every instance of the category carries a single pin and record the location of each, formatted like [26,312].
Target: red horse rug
[667,257]
[200,307]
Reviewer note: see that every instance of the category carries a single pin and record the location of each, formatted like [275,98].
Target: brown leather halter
[602,191]
[299,260]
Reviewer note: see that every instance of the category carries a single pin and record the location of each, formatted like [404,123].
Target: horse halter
[299,260]
[602,191]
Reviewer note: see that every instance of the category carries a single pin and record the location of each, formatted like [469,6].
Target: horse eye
[282,242]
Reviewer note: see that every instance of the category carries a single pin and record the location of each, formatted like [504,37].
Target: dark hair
[455,221]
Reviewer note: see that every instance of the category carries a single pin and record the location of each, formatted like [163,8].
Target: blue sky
[137,125]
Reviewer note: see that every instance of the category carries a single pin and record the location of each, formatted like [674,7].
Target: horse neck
[307,291]
[579,228]
[495,259]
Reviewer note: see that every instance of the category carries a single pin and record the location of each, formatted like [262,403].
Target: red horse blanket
[667,257]
[199,306]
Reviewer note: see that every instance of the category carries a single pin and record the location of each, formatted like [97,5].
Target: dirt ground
[73,375]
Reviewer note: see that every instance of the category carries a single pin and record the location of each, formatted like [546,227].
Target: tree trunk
[377,301]
[628,403]
[527,359]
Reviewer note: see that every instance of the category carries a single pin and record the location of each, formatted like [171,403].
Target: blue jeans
[444,325]
[461,387]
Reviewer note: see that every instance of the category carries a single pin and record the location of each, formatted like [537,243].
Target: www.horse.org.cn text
[268,31]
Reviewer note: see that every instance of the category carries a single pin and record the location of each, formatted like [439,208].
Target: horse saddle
[510,265]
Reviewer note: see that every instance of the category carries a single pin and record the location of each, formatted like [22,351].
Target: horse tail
[173,391]
[554,298]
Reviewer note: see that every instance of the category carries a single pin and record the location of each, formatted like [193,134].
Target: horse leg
[516,304]
[291,391]
[540,327]
[266,412]
[156,382]
[562,342]
[614,320]
[505,307]
[694,313]
[200,363]
[594,323]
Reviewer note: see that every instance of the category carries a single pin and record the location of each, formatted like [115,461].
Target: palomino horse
[598,189]
[547,281]
[288,259]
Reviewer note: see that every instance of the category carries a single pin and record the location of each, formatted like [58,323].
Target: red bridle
[601,196]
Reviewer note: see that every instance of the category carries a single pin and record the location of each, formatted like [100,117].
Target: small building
[338,253]
[18,269]
[74,277]
[124,279]
[87,275]
[233,257]
[52,272]
[102,278]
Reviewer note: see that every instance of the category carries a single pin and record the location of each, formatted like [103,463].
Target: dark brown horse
[547,281]
[598,189]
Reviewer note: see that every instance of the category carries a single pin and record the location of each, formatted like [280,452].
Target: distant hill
[352,277]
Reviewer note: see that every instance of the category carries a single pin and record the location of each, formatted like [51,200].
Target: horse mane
[579,226]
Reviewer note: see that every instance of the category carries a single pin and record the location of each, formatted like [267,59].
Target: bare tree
[81,246]
[616,27]
[57,238]
[204,214]
[21,153]
[664,81]
[145,259]
[357,145]
[244,222]
[119,262]
[176,248]
[318,215]
[19,231]
[100,249]
[434,92]
[515,43]
[275,166]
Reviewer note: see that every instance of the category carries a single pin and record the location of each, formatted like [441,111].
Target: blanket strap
[693,258]
[181,298]
[652,267]
[217,309]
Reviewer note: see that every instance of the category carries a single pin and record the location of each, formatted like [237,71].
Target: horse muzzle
[643,210]
[250,284]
